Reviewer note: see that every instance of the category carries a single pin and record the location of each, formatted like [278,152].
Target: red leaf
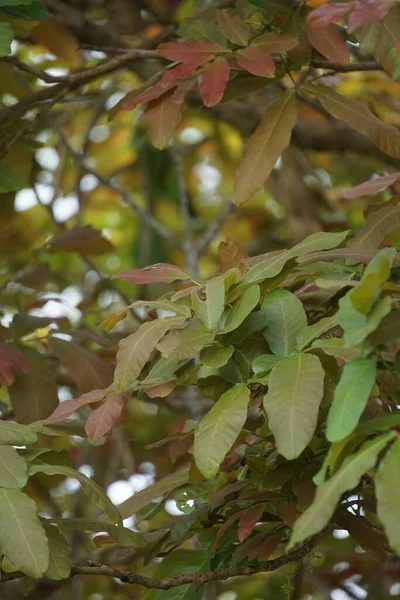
[248,519]
[256,60]
[273,42]
[160,272]
[181,90]
[330,43]
[69,407]
[148,96]
[326,14]
[368,12]
[103,418]
[186,52]
[177,73]
[213,82]
[85,239]
[373,186]
[289,514]
[11,359]
[264,550]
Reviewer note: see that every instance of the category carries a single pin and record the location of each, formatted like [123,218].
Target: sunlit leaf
[295,392]
[264,363]
[219,428]
[286,321]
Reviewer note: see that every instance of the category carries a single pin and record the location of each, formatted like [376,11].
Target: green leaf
[141,499]
[122,535]
[328,494]
[35,11]
[358,326]
[296,387]
[264,363]
[351,397]
[335,347]
[22,538]
[92,490]
[387,486]
[135,350]
[242,308]
[219,428]
[310,333]
[185,343]
[60,554]
[264,268]
[13,469]
[379,423]
[210,310]
[163,369]
[9,181]
[15,434]
[215,357]
[375,275]
[286,320]
[378,224]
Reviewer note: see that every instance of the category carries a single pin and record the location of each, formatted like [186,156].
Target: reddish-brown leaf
[256,60]
[85,239]
[11,359]
[264,550]
[230,254]
[274,42]
[373,186]
[103,418]
[177,73]
[69,407]
[186,52]
[158,273]
[213,82]
[34,394]
[161,390]
[289,514]
[248,519]
[87,370]
[326,14]
[330,43]
[224,527]
[35,276]
[162,117]
[182,89]
[233,27]
[368,12]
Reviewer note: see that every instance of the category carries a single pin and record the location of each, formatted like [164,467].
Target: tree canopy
[199,292]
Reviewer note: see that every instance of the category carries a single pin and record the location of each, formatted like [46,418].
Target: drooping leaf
[357,115]
[103,418]
[209,310]
[135,350]
[22,538]
[295,392]
[264,363]
[373,186]
[376,227]
[158,273]
[388,494]
[351,397]
[219,428]
[330,43]
[186,343]
[85,240]
[316,517]
[60,554]
[34,394]
[13,469]
[186,52]
[16,434]
[242,308]
[11,359]
[162,117]
[256,60]
[92,489]
[310,333]
[230,255]
[286,321]
[233,27]
[213,81]
[10,180]
[215,357]
[69,407]
[264,148]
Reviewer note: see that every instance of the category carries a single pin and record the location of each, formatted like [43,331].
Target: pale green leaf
[92,489]
[6,37]
[375,275]
[286,320]
[185,343]
[358,326]
[310,333]
[316,517]
[215,357]
[264,363]
[296,388]
[163,369]
[17,434]
[60,554]
[351,397]
[387,486]
[335,347]
[135,350]
[242,308]
[13,469]
[219,428]
[22,538]
[210,310]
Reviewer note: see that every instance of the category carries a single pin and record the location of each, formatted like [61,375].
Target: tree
[200,299]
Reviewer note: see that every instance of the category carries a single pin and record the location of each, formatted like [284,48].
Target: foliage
[234,348]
